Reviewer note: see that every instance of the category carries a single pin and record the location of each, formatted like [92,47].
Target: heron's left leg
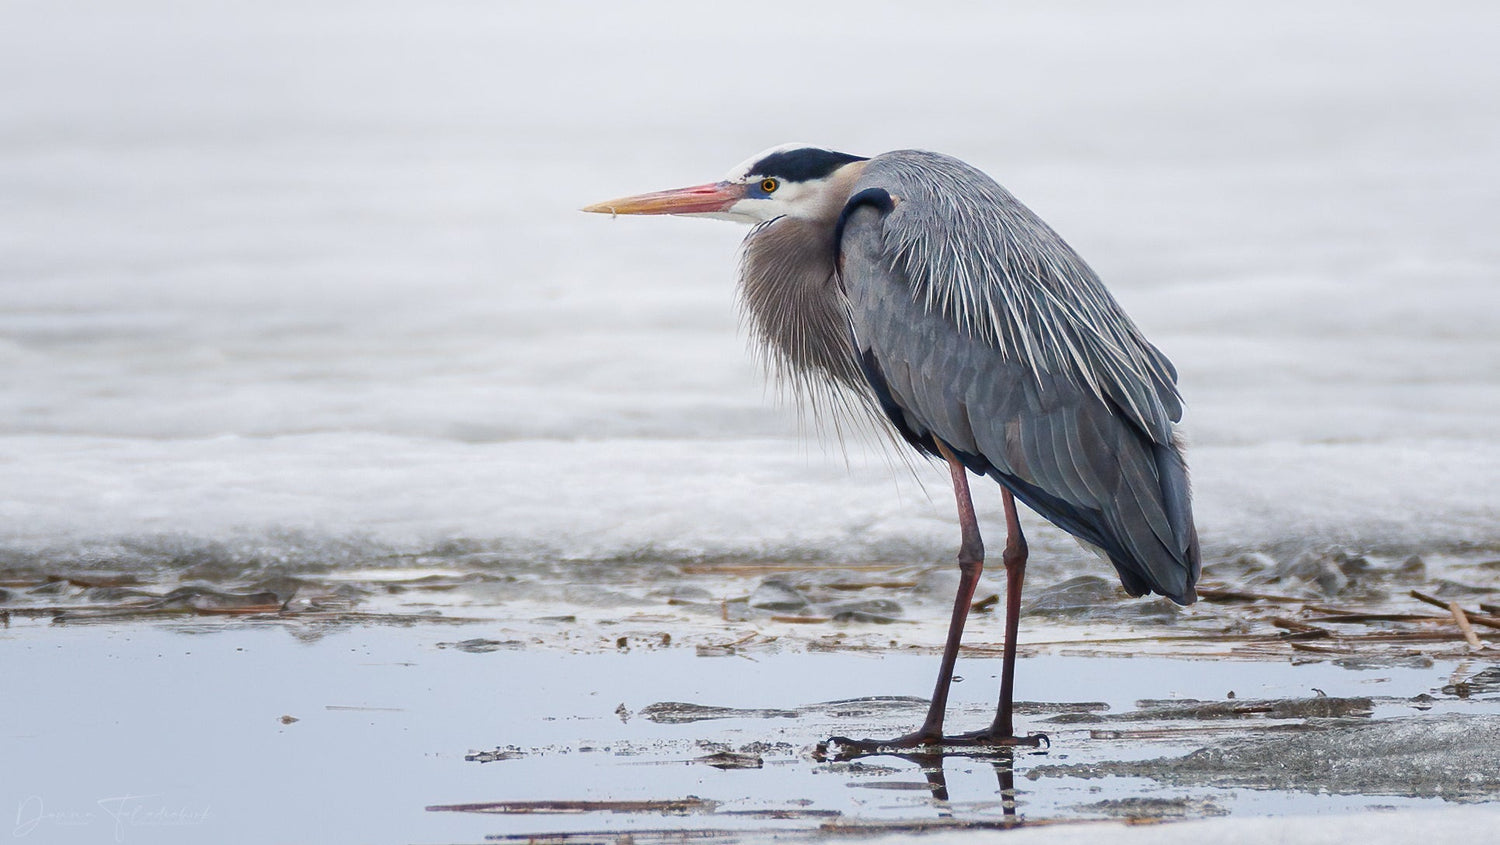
[1002,731]
[1016,553]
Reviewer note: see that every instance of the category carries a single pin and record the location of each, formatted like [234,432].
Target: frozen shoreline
[358,500]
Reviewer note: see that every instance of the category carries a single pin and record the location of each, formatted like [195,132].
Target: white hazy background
[306,282]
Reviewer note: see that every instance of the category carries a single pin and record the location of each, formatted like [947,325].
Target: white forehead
[741,172]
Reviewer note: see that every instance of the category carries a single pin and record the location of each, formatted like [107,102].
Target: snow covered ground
[309,281]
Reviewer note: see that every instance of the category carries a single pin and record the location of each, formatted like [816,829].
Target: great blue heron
[913,286]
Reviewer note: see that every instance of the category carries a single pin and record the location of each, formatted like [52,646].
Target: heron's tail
[1174,575]
[1144,526]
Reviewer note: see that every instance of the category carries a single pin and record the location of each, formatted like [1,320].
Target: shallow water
[190,728]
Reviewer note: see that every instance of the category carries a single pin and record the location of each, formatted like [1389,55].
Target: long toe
[991,739]
[844,748]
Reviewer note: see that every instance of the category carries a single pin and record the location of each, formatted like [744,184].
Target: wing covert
[977,255]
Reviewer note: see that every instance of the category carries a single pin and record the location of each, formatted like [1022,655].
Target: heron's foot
[990,738]
[844,748]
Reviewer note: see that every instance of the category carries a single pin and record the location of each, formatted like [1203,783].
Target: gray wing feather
[974,253]
[1068,446]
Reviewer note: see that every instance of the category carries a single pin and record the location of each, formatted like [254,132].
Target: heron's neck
[795,310]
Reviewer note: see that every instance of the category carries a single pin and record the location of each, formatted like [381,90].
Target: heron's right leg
[970,565]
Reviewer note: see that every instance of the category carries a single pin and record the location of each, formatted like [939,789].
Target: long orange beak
[699,199]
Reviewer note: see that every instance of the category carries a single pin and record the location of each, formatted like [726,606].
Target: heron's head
[792,180]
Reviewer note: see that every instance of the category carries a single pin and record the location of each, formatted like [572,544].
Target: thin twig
[1377,617]
[1463,625]
[1477,619]
[1486,621]
[1435,602]
[1300,630]
[1319,649]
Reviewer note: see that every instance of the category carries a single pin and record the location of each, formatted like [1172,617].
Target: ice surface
[1445,756]
[310,282]
[1367,828]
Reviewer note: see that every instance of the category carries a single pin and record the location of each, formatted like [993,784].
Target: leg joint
[1015,553]
[971,552]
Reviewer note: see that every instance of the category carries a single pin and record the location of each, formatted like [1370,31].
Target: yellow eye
[769,185]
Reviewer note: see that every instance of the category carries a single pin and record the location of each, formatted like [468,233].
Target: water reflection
[1003,760]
